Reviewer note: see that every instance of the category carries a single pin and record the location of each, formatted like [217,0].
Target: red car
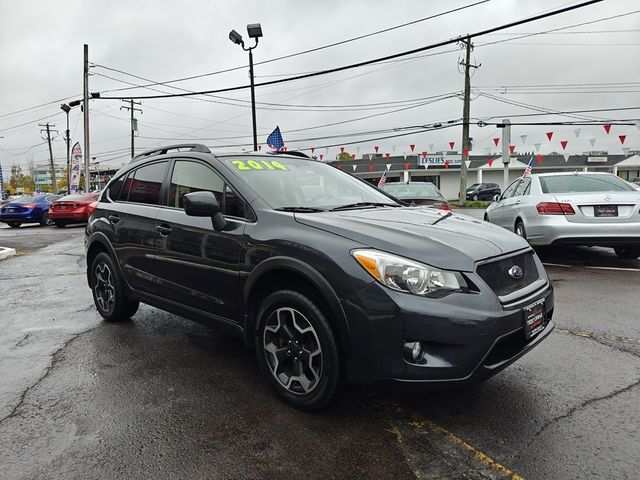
[74,208]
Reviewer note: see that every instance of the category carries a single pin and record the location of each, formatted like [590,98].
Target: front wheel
[45,220]
[476,198]
[627,252]
[297,350]
[14,224]
[108,293]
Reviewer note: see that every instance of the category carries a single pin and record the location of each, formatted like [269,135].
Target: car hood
[443,240]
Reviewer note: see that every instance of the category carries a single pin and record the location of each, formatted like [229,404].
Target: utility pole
[85,104]
[506,152]
[53,168]
[466,145]
[134,122]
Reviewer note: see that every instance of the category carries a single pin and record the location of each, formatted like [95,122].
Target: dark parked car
[27,209]
[326,277]
[418,193]
[74,208]
[483,191]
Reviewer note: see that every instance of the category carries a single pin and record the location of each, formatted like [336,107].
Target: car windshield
[472,187]
[415,190]
[583,183]
[284,182]
[28,199]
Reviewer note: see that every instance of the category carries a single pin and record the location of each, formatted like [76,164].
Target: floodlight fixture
[254,30]
[236,38]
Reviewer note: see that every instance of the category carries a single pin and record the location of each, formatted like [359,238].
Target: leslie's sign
[439,160]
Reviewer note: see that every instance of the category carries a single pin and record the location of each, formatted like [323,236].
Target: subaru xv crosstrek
[329,279]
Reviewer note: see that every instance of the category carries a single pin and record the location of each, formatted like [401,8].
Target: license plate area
[534,319]
[605,210]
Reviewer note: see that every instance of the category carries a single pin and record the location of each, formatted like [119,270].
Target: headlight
[406,275]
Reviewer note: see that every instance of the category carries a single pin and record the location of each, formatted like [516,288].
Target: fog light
[413,351]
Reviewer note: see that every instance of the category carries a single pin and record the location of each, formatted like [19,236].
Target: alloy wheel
[104,290]
[292,350]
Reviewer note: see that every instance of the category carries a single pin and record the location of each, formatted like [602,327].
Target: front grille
[496,274]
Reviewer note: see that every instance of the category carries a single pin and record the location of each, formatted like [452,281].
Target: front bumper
[556,229]
[466,337]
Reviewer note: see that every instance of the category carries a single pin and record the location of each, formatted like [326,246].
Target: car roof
[559,174]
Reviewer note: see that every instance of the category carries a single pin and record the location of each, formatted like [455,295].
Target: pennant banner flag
[538,159]
[490,161]
[259,148]
[353,156]
[465,152]
[467,163]
[446,164]
[523,138]
[622,138]
[412,147]
[496,140]
[341,149]
[376,149]
[424,154]
[577,132]
[566,157]
[564,144]
[74,164]
[426,165]
[388,165]
[321,157]
[406,166]
[313,149]
[371,167]
[393,148]
[607,128]
[354,167]
[592,141]
[537,145]
[387,155]
[549,135]
[512,148]
[451,144]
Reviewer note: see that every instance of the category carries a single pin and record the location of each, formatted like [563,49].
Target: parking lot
[162,397]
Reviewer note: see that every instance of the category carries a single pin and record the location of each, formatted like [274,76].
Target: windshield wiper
[363,204]
[301,209]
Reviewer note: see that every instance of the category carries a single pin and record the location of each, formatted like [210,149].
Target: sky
[592,66]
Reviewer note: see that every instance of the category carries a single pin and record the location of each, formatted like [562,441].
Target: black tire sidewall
[524,231]
[121,308]
[331,379]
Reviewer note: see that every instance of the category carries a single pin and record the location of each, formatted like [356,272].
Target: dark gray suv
[328,278]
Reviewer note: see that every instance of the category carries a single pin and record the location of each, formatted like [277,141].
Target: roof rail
[294,153]
[190,147]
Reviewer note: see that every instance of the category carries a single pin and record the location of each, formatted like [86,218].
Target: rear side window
[114,188]
[145,183]
[583,183]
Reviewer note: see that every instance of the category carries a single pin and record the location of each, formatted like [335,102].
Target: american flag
[275,141]
[383,179]
[527,171]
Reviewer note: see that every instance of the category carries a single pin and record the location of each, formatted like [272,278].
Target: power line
[376,60]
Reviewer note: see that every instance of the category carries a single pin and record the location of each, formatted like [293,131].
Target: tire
[59,224]
[476,198]
[627,252]
[520,230]
[14,224]
[44,219]
[108,293]
[486,218]
[313,375]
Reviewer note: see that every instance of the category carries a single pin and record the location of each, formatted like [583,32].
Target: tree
[344,156]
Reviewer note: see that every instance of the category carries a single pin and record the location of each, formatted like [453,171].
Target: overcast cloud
[41,45]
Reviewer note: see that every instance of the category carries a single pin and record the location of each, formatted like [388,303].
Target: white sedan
[581,208]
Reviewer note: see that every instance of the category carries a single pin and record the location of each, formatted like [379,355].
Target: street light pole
[255,32]
[66,109]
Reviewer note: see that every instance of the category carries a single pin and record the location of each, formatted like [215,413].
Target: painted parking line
[620,269]
[615,268]
[546,264]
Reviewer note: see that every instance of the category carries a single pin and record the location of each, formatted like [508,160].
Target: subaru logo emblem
[515,272]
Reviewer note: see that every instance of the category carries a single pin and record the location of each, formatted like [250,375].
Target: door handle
[114,218]
[163,229]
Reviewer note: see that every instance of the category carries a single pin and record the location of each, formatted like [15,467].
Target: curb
[6,252]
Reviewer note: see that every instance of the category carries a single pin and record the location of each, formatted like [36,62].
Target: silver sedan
[581,208]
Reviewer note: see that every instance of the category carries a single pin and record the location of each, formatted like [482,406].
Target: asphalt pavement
[162,397]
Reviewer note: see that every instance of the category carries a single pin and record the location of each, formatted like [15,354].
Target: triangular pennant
[563,144]
[387,155]
[496,140]
[538,159]
[321,157]
[393,148]
[371,167]
[407,165]
[446,164]
[451,144]
[426,165]
[354,167]
[607,128]
[467,163]
[523,138]
[341,149]
[353,156]
[376,149]
[622,138]
[388,165]
[465,152]
[549,135]
[424,154]
[537,145]
[431,146]
[412,147]
[512,148]
[490,161]
[259,148]
[577,132]
[592,141]
[339,166]
[404,156]
[358,150]
[313,149]
[626,150]
[566,157]
[326,150]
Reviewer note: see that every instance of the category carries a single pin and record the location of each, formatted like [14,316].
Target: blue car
[27,209]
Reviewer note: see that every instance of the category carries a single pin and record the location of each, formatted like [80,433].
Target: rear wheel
[45,220]
[14,224]
[297,350]
[627,252]
[486,217]
[108,292]
[519,229]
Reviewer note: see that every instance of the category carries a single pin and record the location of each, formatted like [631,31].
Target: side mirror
[204,204]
